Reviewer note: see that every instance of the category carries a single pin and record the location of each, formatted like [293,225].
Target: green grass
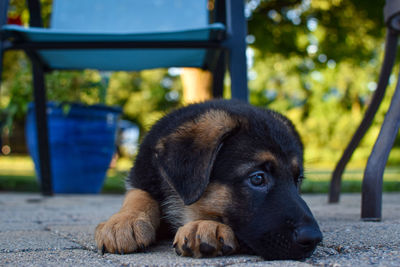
[17,174]
[28,183]
[318,180]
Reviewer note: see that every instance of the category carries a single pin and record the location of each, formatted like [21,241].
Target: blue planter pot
[82,143]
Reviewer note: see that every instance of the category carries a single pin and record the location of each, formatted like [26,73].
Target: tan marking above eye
[259,158]
[266,156]
[295,163]
[295,166]
[245,168]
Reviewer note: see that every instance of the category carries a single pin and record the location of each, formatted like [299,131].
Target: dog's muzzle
[295,244]
[307,238]
[287,232]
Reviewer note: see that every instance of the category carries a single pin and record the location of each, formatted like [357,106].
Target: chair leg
[237,49]
[1,62]
[218,76]
[238,74]
[371,204]
[42,129]
[390,55]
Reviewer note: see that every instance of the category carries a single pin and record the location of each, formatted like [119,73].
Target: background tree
[316,61]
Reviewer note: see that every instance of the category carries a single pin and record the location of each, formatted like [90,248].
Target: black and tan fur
[222,176]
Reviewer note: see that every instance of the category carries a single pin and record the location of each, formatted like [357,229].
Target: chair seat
[128,59]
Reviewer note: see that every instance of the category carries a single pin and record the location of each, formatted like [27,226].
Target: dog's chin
[276,247]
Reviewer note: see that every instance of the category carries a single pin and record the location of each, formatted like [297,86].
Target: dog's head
[243,167]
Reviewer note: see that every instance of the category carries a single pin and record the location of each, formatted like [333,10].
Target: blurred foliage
[17,174]
[144,96]
[342,30]
[316,61]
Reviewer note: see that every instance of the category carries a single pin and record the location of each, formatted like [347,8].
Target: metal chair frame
[232,55]
[371,206]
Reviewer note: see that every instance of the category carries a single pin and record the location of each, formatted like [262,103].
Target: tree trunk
[196,85]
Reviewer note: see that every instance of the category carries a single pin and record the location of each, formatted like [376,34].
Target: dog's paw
[204,238]
[124,233]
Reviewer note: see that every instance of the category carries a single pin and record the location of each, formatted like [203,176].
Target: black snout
[307,237]
[282,228]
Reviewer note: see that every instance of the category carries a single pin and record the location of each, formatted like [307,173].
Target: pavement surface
[58,231]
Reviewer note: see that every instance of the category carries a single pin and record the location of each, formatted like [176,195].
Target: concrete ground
[58,231]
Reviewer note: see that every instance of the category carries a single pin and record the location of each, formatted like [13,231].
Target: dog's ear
[186,156]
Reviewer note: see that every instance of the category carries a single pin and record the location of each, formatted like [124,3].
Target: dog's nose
[307,237]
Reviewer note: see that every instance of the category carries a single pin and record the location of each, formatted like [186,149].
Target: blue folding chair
[128,35]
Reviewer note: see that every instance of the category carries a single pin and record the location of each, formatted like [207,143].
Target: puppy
[224,177]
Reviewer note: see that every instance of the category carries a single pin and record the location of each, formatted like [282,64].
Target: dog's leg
[205,238]
[133,227]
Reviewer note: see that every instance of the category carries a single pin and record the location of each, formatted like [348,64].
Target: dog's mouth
[276,246]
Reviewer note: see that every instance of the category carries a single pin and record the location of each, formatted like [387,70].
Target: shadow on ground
[58,231]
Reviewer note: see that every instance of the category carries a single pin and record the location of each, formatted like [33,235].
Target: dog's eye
[257,178]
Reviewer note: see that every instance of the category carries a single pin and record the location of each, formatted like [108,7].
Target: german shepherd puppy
[224,177]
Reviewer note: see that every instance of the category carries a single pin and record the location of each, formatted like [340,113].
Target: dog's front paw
[124,233]
[204,238]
